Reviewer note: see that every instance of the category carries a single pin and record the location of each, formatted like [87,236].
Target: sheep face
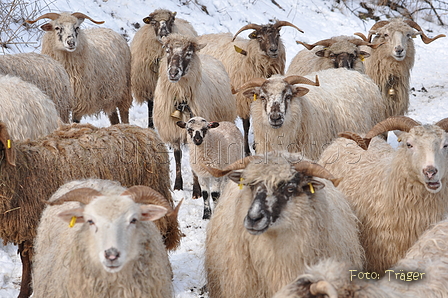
[343,54]
[113,224]
[197,128]
[268,38]
[162,22]
[397,37]
[427,154]
[66,29]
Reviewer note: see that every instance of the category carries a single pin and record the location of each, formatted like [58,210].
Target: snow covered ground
[318,19]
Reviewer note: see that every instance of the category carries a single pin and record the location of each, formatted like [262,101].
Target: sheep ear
[200,46]
[68,215]
[213,124]
[235,176]
[147,20]
[152,212]
[300,91]
[249,93]
[47,27]
[364,54]
[313,186]
[181,124]
[320,53]
[253,35]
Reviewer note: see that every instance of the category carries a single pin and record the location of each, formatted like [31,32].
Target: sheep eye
[445,146]
[288,97]
[262,97]
[57,28]
[133,221]
[90,222]
[290,189]
[409,145]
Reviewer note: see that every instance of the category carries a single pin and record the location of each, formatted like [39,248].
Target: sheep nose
[174,73]
[71,42]
[111,254]
[399,49]
[430,171]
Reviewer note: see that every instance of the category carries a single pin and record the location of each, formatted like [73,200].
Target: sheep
[338,51]
[421,273]
[33,170]
[396,194]
[281,214]
[390,64]
[190,85]
[97,60]
[146,52]
[306,120]
[28,112]
[112,249]
[44,72]
[263,55]
[215,144]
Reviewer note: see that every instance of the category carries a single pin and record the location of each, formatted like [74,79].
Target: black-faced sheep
[260,56]
[44,72]
[32,170]
[281,214]
[396,193]
[390,64]
[421,273]
[189,85]
[290,117]
[214,144]
[98,61]
[147,51]
[97,239]
[25,109]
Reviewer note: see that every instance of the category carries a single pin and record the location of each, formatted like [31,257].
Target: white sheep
[146,52]
[338,51]
[390,64]
[396,193]
[44,72]
[281,214]
[214,144]
[421,273]
[260,56]
[189,85]
[98,61]
[97,239]
[290,117]
[25,109]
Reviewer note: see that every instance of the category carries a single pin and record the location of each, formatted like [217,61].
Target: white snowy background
[319,19]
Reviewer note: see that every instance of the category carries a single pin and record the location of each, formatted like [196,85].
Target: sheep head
[276,94]
[180,51]
[424,147]
[6,145]
[162,21]
[66,28]
[268,36]
[197,128]
[113,222]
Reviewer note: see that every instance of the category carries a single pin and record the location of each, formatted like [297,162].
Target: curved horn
[51,15]
[424,38]
[146,195]
[362,36]
[359,42]
[364,144]
[324,42]
[402,123]
[376,26]
[237,165]
[257,82]
[292,80]
[83,195]
[80,15]
[285,23]
[443,124]
[316,170]
[323,287]
[247,27]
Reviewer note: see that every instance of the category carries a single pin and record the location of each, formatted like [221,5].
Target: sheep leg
[196,187]
[150,107]
[113,118]
[178,183]
[124,115]
[25,250]
[246,126]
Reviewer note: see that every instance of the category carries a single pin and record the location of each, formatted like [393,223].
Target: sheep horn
[83,195]
[247,27]
[316,170]
[285,23]
[424,38]
[237,165]
[51,15]
[323,288]
[292,80]
[359,42]
[355,137]
[80,15]
[257,82]
[5,139]
[146,195]
[324,42]
[376,26]
[443,124]
[362,36]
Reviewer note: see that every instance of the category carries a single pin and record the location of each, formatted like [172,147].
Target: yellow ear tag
[72,222]
[240,50]
[241,183]
[399,139]
[8,144]
[255,97]
[361,57]
[311,187]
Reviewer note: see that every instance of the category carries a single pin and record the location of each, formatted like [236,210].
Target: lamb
[146,52]
[424,269]
[44,72]
[396,193]
[390,64]
[338,51]
[97,60]
[284,214]
[215,144]
[111,248]
[189,85]
[28,112]
[262,56]
[33,170]
[306,120]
